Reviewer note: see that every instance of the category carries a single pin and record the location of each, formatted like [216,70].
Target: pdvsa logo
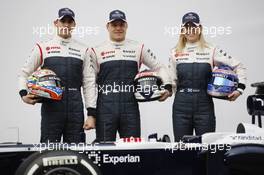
[181,54]
[107,52]
[52,48]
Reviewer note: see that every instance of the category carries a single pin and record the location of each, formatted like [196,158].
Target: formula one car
[240,153]
[210,154]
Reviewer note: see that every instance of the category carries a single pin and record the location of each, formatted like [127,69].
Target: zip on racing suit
[191,71]
[67,58]
[113,67]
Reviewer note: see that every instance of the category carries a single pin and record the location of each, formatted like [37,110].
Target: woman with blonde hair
[191,64]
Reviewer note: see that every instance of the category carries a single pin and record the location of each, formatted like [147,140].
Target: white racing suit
[191,71]
[113,68]
[67,58]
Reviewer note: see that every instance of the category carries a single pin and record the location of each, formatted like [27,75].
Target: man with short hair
[115,63]
[67,58]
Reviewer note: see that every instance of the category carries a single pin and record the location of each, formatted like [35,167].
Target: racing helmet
[45,83]
[223,82]
[148,86]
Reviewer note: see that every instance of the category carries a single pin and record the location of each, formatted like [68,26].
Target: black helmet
[148,86]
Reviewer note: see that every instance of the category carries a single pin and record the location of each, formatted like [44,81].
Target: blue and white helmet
[223,82]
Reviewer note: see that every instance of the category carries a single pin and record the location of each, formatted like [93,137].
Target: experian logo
[100,159]
[120,159]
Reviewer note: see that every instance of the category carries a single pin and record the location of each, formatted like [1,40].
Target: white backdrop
[152,22]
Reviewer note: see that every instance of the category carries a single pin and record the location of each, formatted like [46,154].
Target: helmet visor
[50,81]
[219,81]
[148,81]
